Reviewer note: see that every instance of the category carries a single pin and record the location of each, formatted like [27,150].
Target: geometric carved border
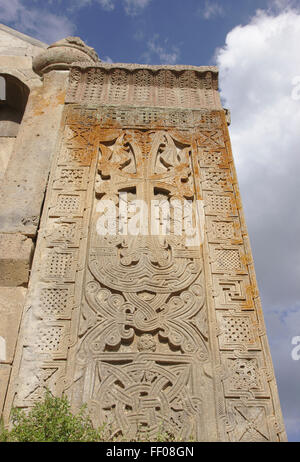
[238,331]
[243,357]
[133,85]
[64,232]
[56,301]
[244,374]
[51,340]
[251,421]
[55,283]
[233,292]
[48,375]
[67,204]
[60,265]
[75,178]
[228,259]
[223,230]
[212,158]
[216,179]
[220,204]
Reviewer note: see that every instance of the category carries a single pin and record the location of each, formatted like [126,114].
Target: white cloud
[107,5]
[211,10]
[161,51]
[134,7]
[107,59]
[279,5]
[131,7]
[79,4]
[8,10]
[139,35]
[35,21]
[258,66]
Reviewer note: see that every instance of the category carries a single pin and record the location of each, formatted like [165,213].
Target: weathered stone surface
[23,186]
[15,259]
[15,61]
[17,49]
[16,52]
[14,43]
[5,370]
[11,307]
[6,148]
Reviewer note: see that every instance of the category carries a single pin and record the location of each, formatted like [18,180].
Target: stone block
[11,307]
[24,183]
[15,259]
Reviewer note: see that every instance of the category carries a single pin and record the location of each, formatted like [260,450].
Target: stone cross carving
[147,330]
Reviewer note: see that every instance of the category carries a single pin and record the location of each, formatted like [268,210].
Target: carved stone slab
[148,329]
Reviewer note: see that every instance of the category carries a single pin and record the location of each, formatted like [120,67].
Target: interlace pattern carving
[150,332]
[144,296]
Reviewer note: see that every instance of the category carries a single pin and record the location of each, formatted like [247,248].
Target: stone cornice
[131,67]
[142,85]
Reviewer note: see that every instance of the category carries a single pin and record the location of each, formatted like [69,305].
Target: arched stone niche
[14,96]
[13,99]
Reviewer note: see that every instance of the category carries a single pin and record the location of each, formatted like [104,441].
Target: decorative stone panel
[147,329]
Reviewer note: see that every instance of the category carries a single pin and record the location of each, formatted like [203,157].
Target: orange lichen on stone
[40,103]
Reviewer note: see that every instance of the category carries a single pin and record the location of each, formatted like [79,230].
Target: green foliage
[52,420]
[4,434]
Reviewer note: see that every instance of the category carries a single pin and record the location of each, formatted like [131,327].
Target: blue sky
[256,46]
[152,31]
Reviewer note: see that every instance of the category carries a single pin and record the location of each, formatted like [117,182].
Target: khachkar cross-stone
[145,352]
[154,331]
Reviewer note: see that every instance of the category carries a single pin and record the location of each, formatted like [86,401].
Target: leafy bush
[52,420]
